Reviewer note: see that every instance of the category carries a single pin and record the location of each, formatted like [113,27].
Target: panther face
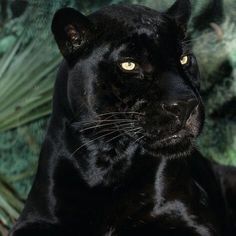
[132,77]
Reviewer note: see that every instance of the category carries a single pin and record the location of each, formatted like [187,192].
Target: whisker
[109,124]
[122,134]
[118,113]
[122,112]
[114,137]
[117,127]
[139,139]
[91,142]
[132,129]
[100,121]
[139,131]
[129,132]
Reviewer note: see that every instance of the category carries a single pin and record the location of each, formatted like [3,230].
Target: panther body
[119,156]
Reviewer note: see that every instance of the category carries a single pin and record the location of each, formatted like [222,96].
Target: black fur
[119,156]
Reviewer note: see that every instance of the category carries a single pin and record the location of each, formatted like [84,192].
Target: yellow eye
[184,60]
[128,65]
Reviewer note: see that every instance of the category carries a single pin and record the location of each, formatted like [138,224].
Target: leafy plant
[10,205]
[26,81]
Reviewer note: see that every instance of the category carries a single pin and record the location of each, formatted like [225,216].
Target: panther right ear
[180,11]
[72,31]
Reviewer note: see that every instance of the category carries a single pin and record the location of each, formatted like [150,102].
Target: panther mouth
[172,138]
[178,136]
[181,136]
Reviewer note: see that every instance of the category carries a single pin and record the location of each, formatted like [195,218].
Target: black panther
[119,157]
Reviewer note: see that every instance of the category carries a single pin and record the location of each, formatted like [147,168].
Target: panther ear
[72,30]
[180,11]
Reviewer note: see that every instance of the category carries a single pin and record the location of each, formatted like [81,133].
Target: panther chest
[152,202]
[132,211]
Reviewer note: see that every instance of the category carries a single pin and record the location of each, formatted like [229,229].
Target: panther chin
[177,144]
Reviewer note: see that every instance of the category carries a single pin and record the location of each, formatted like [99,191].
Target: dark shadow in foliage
[213,12]
[3,10]
[223,115]
[226,111]
[92,4]
[18,7]
[224,71]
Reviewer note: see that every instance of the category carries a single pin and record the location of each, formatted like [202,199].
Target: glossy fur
[119,157]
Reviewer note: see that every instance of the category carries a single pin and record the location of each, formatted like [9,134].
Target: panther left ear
[180,11]
[72,30]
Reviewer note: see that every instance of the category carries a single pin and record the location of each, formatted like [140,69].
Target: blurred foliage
[26,81]
[28,62]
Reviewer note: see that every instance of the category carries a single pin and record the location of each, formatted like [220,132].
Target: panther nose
[180,109]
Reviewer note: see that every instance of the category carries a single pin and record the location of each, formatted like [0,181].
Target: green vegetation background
[28,63]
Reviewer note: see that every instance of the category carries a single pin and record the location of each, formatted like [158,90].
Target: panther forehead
[130,19]
[130,13]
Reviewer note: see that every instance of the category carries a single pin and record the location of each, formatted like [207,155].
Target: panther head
[131,77]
